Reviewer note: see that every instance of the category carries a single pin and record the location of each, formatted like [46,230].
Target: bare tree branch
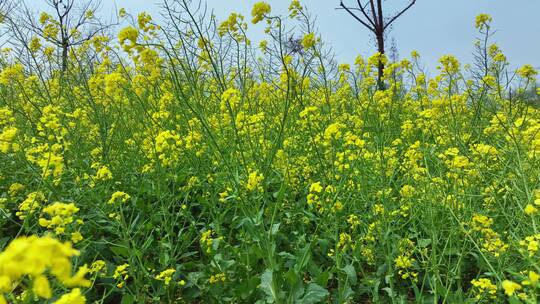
[399,14]
[362,8]
[356,17]
[374,14]
[376,24]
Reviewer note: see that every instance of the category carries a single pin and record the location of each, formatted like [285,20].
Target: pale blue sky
[433,27]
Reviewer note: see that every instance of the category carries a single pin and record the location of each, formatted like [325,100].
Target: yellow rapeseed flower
[308,41]
[103,173]
[74,297]
[530,209]
[35,257]
[166,276]
[449,65]
[128,34]
[482,21]
[527,71]
[532,279]
[220,277]
[119,196]
[483,287]
[61,215]
[294,8]
[510,287]
[121,274]
[259,10]
[254,181]
[30,204]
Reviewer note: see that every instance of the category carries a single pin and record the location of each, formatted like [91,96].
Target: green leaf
[314,294]
[514,300]
[266,284]
[304,256]
[389,291]
[423,243]
[127,299]
[351,273]
[275,229]
[322,278]
[292,278]
[120,251]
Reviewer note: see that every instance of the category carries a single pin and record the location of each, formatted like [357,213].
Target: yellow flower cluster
[353,221]
[449,65]
[73,297]
[260,9]
[294,8]
[308,41]
[491,240]
[8,131]
[168,147]
[510,287]
[97,267]
[234,26]
[483,20]
[217,278]
[144,21]
[15,189]
[32,202]
[254,181]
[35,258]
[48,157]
[528,72]
[404,262]
[103,173]
[207,241]
[61,215]
[484,288]
[166,276]
[119,196]
[333,131]
[128,34]
[230,100]
[121,274]
[345,241]
[12,74]
[322,198]
[47,151]
[456,163]
[530,244]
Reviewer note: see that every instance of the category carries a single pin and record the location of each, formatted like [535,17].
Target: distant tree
[371,15]
[72,23]
[6,8]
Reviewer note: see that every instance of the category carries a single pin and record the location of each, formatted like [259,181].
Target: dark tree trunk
[372,18]
[65,46]
[380,68]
